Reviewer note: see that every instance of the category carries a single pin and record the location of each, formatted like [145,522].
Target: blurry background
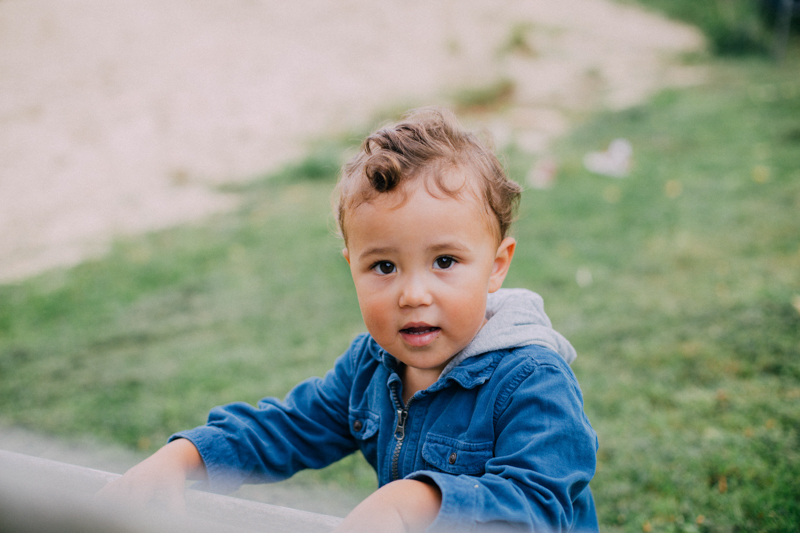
[166,244]
[124,117]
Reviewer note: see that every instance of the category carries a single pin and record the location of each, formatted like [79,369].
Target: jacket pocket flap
[363,423]
[456,457]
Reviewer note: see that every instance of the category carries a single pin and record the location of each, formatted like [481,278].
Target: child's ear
[502,261]
[346,255]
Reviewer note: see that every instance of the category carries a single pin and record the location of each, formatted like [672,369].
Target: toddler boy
[460,396]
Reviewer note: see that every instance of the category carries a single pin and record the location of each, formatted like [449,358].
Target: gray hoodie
[516,318]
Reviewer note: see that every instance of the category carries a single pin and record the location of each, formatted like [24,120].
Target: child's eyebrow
[448,246]
[377,251]
[453,246]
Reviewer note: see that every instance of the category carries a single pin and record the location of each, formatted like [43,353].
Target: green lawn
[688,334]
[732,27]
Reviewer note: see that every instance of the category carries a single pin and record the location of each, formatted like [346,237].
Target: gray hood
[516,318]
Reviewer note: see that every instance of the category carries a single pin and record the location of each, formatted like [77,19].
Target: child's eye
[384,267]
[444,262]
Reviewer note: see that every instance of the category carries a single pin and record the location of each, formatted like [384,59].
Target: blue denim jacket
[503,435]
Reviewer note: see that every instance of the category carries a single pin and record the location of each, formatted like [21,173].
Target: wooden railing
[43,495]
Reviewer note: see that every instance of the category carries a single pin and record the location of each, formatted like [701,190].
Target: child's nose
[415,293]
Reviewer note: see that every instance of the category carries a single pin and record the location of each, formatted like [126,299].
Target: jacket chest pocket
[454,456]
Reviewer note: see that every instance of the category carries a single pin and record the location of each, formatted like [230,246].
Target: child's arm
[159,479]
[403,506]
[269,442]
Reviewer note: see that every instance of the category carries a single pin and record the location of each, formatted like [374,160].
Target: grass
[484,98]
[688,334]
[147,340]
[733,27]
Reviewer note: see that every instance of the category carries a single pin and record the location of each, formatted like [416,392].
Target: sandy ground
[121,117]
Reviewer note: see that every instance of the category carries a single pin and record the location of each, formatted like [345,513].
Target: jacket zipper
[399,431]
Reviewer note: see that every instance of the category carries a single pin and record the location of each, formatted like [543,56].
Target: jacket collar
[469,374]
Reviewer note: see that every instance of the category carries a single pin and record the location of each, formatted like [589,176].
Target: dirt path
[119,117]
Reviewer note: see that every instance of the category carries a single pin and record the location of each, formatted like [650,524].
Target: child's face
[422,271]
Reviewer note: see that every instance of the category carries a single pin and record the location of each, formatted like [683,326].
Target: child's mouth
[420,335]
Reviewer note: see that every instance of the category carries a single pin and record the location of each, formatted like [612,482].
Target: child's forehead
[455,190]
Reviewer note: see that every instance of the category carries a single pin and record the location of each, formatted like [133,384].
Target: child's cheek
[373,312]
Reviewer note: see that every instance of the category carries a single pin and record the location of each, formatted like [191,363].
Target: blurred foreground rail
[43,495]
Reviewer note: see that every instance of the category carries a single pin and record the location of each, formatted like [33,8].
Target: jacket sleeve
[544,457]
[308,429]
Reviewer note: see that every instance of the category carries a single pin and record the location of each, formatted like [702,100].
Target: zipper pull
[400,430]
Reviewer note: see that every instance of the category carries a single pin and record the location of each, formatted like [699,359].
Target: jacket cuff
[218,456]
[460,495]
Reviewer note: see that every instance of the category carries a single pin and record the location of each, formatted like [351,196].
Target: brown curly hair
[427,143]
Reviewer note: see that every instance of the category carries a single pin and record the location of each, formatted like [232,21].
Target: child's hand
[402,506]
[159,479]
